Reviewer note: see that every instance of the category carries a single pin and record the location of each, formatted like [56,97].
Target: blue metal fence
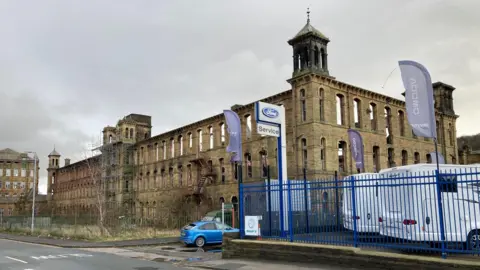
[434,211]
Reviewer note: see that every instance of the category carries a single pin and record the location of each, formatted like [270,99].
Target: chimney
[67,161]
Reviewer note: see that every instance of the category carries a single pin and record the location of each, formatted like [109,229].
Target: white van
[366,203]
[410,206]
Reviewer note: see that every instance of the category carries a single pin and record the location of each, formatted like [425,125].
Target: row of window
[372,111]
[14,185]
[16,172]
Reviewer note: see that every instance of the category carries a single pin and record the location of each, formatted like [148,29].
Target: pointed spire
[308,15]
[54,153]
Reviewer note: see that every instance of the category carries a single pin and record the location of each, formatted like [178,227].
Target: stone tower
[53,165]
[309,51]
[310,68]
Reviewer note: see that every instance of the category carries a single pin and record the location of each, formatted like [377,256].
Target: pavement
[85,244]
[23,256]
[208,258]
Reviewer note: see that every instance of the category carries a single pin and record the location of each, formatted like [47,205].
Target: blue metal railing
[425,212]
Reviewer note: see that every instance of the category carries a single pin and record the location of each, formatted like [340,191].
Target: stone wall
[334,256]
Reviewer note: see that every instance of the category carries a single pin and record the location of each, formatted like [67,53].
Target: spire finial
[308,15]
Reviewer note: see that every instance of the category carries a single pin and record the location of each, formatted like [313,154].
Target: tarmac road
[24,256]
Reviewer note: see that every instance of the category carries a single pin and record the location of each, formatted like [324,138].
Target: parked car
[202,233]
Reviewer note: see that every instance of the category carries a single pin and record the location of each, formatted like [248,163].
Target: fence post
[241,213]
[354,206]
[440,213]
[337,202]
[290,214]
[305,193]
[269,200]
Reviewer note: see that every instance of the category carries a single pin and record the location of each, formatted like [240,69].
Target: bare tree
[96,168]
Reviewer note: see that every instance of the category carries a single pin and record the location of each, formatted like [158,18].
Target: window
[15,172]
[208,226]
[429,158]
[211,142]
[321,103]
[189,174]
[248,126]
[162,176]
[180,142]
[340,105]
[264,160]
[200,140]
[373,116]
[388,126]
[303,107]
[222,169]
[31,185]
[439,133]
[156,151]
[304,153]
[172,147]
[222,133]
[357,113]
[391,157]
[451,135]
[164,149]
[7,185]
[323,150]
[342,148]
[170,175]
[248,161]
[180,175]
[404,157]
[23,173]
[1,172]
[401,122]
[190,140]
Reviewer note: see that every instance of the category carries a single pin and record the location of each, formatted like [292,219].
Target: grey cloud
[81,65]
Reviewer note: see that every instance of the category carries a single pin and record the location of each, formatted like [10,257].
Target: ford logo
[270,112]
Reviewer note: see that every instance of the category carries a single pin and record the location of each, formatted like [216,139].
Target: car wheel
[473,240]
[200,241]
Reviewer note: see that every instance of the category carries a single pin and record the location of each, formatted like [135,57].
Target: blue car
[202,233]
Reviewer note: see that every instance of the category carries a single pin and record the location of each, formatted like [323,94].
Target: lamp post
[34,187]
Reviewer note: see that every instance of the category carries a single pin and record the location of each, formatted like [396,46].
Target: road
[23,256]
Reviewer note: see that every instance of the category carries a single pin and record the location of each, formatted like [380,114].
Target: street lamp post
[34,187]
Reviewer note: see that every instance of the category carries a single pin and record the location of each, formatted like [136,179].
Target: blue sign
[270,112]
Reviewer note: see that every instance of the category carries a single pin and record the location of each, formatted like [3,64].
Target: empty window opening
[404,157]
[200,140]
[321,103]
[304,153]
[391,157]
[248,126]
[303,105]
[357,115]
[323,151]
[222,133]
[373,116]
[211,142]
[340,109]
[401,123]
[342,152]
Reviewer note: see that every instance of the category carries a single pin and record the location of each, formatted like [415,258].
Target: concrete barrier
[335,256]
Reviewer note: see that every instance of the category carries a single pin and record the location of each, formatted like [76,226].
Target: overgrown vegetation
[473,141]
[92,233]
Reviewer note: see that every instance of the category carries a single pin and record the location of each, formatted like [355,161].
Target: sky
[69,68]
